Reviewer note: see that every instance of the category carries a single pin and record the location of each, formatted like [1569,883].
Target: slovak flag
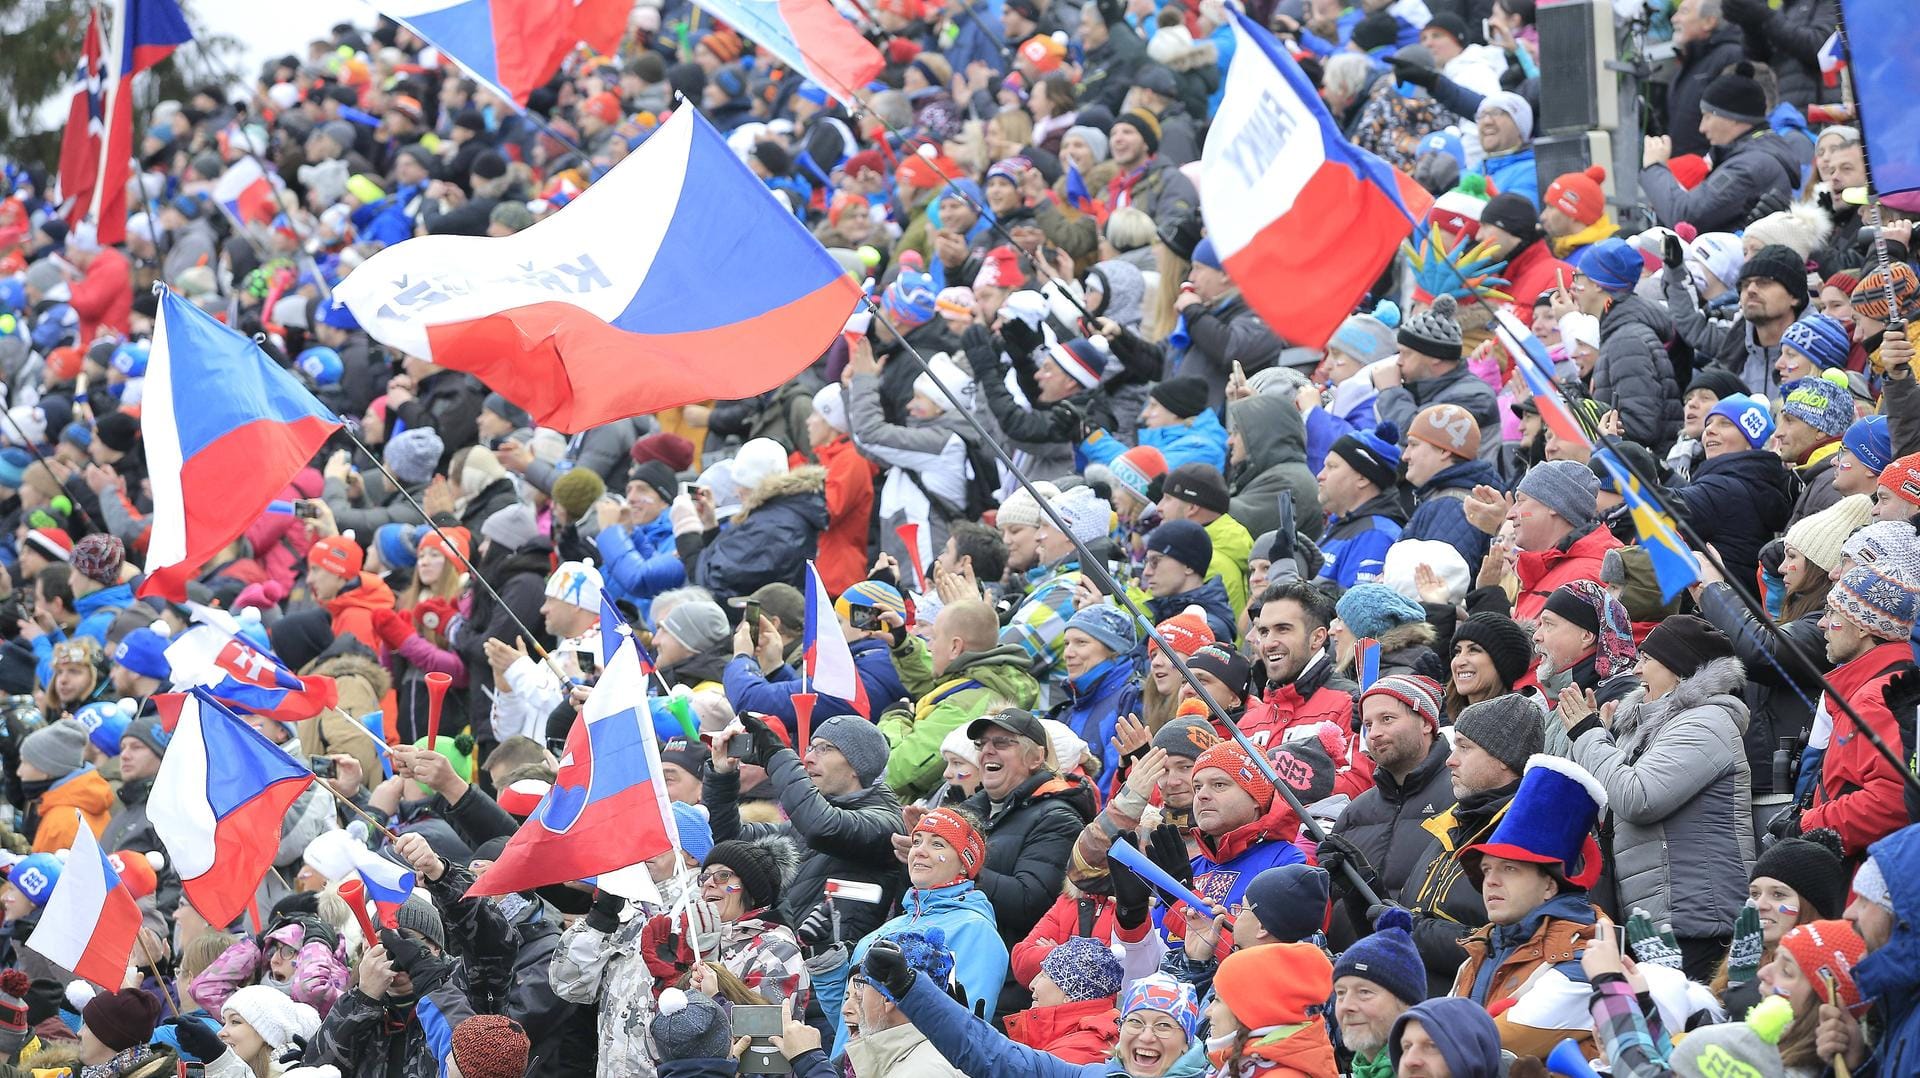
[1536,368]
[608,806]
[809,36]
[216,458]
[220,821]
[1833,57]
[90,921]
[514,46]
[1302,219]
[247,193]
[829,662]
[245,678]
[678,277]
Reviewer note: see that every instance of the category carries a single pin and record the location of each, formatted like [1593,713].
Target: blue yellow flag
[1674,566]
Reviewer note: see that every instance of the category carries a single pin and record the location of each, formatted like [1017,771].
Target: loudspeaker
[1577,91]
[1566,1061]
[1556,155]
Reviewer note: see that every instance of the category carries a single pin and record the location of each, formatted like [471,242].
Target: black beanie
[1777,262]
[1737,96]
[1226,664]
[1504,641]
[1684,643]
[1199,484]
[1512,212]
[759,873]
[1718,381]
[1810,864]
[1435,331]
[1185,396]
[118,431]
[773,157]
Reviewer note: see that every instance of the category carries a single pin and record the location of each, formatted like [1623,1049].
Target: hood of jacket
[1003,670]
[1719,682]
[86,790]
[1126,290]
[1463,476]
[1631,310]
[354,664]
[1271,429]
[962,897]
[370,594]
[810,479]
[1891,974]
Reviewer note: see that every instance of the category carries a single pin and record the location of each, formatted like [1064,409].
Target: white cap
[831,403]
[284,95]
[756,460]
[957,379]
[1579,328]
[576,583]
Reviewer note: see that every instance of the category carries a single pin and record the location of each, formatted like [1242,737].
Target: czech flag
[1302,219]
[388,883]
[1536,369]
[220,822]
[226,430]
[90,922]
[1082,199]
[607,808]
[245,678]
[678,277]
[808,36]
[829,662]
[514,46]
[1886,68]
[247,193]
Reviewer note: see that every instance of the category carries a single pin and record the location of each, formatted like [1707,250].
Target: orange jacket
[842,557]
[353,609]
[1541,571]
[1079,1033]
[84,790]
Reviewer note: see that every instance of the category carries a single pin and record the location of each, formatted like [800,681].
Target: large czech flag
[226,429]
[515,46]
[808,36]
[1886,69]
[217,805]
[1303,220]
[678,277]
[90,921]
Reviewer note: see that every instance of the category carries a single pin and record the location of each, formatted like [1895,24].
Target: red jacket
[1531,272]
[1860,795]
[1062,922]
[842,558]
[1541,571]
[1284,708]
[104,296]
[1079,1033]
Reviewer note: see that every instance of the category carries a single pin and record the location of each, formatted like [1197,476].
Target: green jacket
[977,682]
[1232,546]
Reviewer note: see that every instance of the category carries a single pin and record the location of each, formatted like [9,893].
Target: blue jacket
[981,1051]
[97,612]
[1569,906]
[386,221]
[1324,428]
[1444,517]
[1201,440]
[749,690]
[980,959]
[1228,863]
[1356,545]
[1095,701]
[1514,172]
[640,564]
[972,42]
[1890,976]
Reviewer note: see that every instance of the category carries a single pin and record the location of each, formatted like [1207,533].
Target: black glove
[765,741]
[1769,203]
[1672,251]
[1786,825]
[1129,895]
[424,968]
[604,917]
[1417,74]
[1903,692]
[815,928]
[1336,854]
[982,356]
[197,1040]
[887,968]
[1022,340]
[1167,848]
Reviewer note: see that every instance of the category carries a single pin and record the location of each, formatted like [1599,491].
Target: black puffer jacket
[375,1038]
[521,578]
[1701,62]
[1738,502]
[847,838]
[1384,825]
[1634,374]
[770,541]
[1788,40]
[1028,843]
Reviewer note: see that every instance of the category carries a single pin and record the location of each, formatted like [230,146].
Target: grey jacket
[1634,374]
[1758,162]
[1729,344]
[604,450]
[1677,784]
[1275,435]
[1459,386]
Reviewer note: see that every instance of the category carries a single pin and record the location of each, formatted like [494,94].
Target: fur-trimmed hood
[810,479]
[1717,684]
[353,664]
[1411,635]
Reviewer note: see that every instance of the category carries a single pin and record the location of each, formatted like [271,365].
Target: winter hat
[490,1046]
[1449,427]
[958,743]
[1144,122]
[1370,610]
[1870,295]
[1781,264]
[1749,414]
[1290,901]
[1587,604]
[1829,947]
[1613,264]
[143,652]
[690,1025]
[339,555]
[124,1019]
[656,475]
[1746,1049]
[696,831]
[1578,327]
[1578,195]
[1019,509]
[958,832]
[753,866]
[1109,625]
[1084,969]
[1185,396]
[54,543]
[1549,822]
[1086,515]
[954,302]
[1883,605]
[1564,486]
[105,722]
[1082,358]
[1375,454]
[1198,484]
[1508,727]
[1368,337]
[859,741]
[1000,268]
[1811,865]
[1802,227]
[577,489]
[56,749]
[1461,1029]
[1902,477]
[1887,544]
[1225,665]
[1186,736]
[1278,984]
[1870,443]
[1821,338]
[1736,96]
[1229,757]
[413,454]
[871,595]
[1160,992]
[1513,105]
[35,876]
[512,528]
[394,543]
[1819,536]
[277,1018]
[505,409]
[756,460]
[1420,693]
[1183,541]
[1406,556]
[908,301]
[98,557]
[417,914]
[1459,210]
[577,583]
[1819,404]
[1506,643]
[831,403]
[669,449]
[700,624]
[926,952]
[1685,643]
[1433,332]
[1388,958]
[461,539]
[1134,471]
[148,731]
[1511,212]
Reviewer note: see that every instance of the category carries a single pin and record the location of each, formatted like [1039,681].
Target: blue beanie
[910,298]
[1205,255]
[1084,968]
[1870,442]
[144,652]
[106,723]
[1614,264]
[13,466]
[1388,958]
[1748,414]
[35,877]
[1821,338]
[396,546]
[926,951]
[1375,453]
[1819,404]
[1370,609]
[1108,625]
[696,833]
[78,433]
[813,92]
[322,364]
[1290,901]
[1462,1030]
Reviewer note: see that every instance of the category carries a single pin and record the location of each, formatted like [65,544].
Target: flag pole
[1880,257]
[1097,569]
[153,967]
[364,814]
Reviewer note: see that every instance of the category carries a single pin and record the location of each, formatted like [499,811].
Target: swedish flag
[1674,566]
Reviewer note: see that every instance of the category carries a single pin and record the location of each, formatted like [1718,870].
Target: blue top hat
[1549,823]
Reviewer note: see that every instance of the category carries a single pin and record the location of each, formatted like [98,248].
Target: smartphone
[307,510]
[740,745]
[757,1021]
[323,767]
[750,613]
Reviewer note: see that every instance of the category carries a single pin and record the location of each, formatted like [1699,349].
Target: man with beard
[1375,981]
[1290,631]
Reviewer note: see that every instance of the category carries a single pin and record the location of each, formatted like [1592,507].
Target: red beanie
[1578,195]
[1228,756]
[338,555]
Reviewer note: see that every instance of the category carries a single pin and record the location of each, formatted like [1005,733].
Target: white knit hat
[272,1014]
[1020,508]
[1084,513]
[958,743]
[1820,536]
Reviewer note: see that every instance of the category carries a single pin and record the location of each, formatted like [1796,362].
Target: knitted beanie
[272,1014]
[1186,736]
[1578,195]
[758,873]
[1277,984]
[1828,948]
[1870,443]
[1198,484]
[1566,487]
[1684,643]
[1819,536]
[1822,338]
[958,831]
[1225,665]
[56,750]
[1504,641]
[1229,757]
[1134,471]
[1884,605]
[1186,632]
[1870,295]
[1613,264]
[926,951]
[1019,509]
[1370,610]
[1388,958]
[413,455]
[1083,968]
[1811,865]
[860,741]
[97,557]
[1736,96]
[1160,992]
[1083,359]
[490,1046]
[576,490]
[690,1025]
[1290,901]
[1819,404]
[123,1019]
[1749,1049]
[1374,454]
[1902,477]
[1887,544]
[1184,542]
[1782,265]
[1421,695]
[700,624]
[1185,396]
[1510,728]
[339,555]
[1087,516]
[1749,415]
[696,832]
[419,915]
[1433,332]
[1110,626]
[1368,337]
[1449,427]
[669,449]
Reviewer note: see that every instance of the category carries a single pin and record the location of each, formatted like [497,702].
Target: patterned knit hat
[909,300]
[1187,736]
[1433,332]
[1882,605]
[1870,295]
[688,1025]
[1388,958]
[958,832]
[926,951]
[1370,609]
[1819,404]
[1902,477]
[1135,470]
[1225,665]
[1420,693]
[1083,359]
[1368,337]
[1087,516]
[490,1046]
[1083,968]
[1819,536]
[1374,454]
[1159,992]
[1108,625]
[1889,545]
[1186,632]
[1828,948]
[1229,757]
[97,557]
[1822,338]
[955,302]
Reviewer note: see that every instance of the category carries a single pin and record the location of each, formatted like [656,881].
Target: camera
[323,767]
[760,1023]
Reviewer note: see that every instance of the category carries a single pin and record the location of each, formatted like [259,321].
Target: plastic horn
[437,686]
[1154,874]
[354,894]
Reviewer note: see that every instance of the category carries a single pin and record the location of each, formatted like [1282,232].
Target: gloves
[815,928]
[393,627]
[316,930]
[683,516]
[1652,945]
[421,965]
[1769,203]
[198,1040]
[982,356]
[1743,958]
[1022,340]
[1785,825]
[1129,895]
[1744,12]
[1336,854]
[1416,74]
[765,741]
[1167,848]
[261,596]
[1672,251]
[604,917]
[434,616]
[886,967]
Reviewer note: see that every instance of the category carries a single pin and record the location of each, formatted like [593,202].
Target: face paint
[1787,909]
